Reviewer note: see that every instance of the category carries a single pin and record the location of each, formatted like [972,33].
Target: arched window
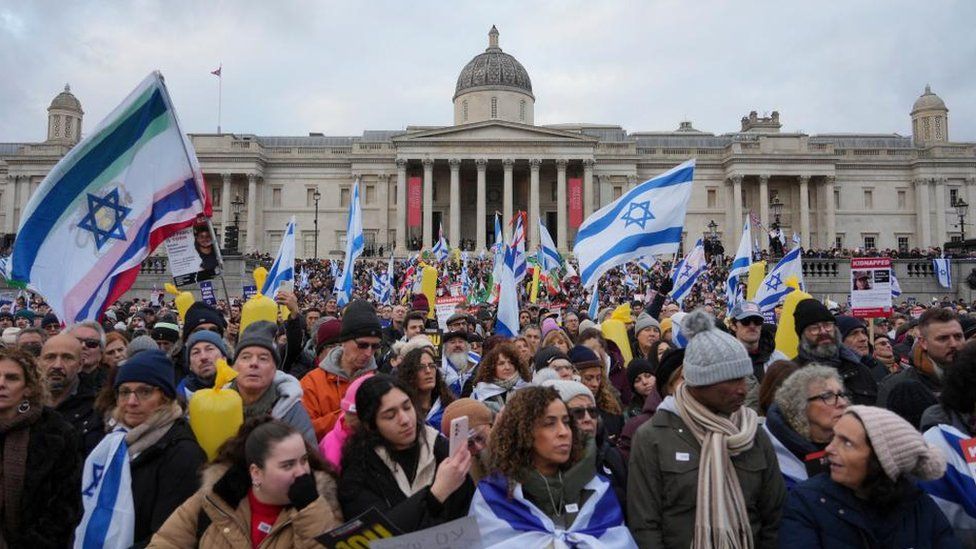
[494,107]
[522,110]
[464,110]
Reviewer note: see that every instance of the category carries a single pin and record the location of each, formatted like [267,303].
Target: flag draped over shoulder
[955,492]
[106,494]
[283,268]
[646,220]
[107,204]
[354,247]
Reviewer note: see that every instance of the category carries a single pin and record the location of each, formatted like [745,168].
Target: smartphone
[459,434]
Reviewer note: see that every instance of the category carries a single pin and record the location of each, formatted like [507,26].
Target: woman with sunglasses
[800,422]
[431,395]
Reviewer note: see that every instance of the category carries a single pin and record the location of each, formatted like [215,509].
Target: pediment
[494,131]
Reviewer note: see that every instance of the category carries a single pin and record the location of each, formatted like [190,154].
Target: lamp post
[316,196]
[775,240]
[777,208]
[712,226]
[237,204]
[962,208]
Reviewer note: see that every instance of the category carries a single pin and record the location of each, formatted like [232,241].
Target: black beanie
[201,313]
[637,367]
[359,320]
[810,311]
[545,356]
[671,361]
[259,334]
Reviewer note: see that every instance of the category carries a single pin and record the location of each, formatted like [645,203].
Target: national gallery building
[847,190]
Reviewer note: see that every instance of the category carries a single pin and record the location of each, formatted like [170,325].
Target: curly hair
[792,397]
[408,369]
[959,394]
[513,435]
[34,387]
[486,369]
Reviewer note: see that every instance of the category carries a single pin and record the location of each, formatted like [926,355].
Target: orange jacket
[323,389]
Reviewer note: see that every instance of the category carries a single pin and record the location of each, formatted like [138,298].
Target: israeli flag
[678,337]
[441,249]
[106,494]
[507,322]
[647,263]
[283,268]
[383,285]
[334,269]
[740,266]
[303,279]
[796,239]
[594,309]
[549,257]
[518,245]
[955,492]
[688,271]
[646,220]
[942,272]
[465,280]
[354,247]
[895,286]
[773,289]
[629,282]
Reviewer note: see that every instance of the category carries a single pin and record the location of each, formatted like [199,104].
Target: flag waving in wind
[128,186]
[354,247]
[549,257]
[646,220]
[283,268]
[687,272]
[773,289]
[441,249]
[740,266]
[943,273]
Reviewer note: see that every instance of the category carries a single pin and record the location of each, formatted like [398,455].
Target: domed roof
[494,68]
[66,100]
[928,101]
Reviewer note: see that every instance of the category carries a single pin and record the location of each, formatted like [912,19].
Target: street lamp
[712,226]
[962,209]
[316,196]
[777,208]
[238,204]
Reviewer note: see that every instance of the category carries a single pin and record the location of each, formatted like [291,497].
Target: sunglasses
[91,343]
[752,321]
[362,346]
[580,412]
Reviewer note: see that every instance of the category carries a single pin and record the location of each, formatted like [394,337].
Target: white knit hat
[899,447]
[569,389]
[711,356]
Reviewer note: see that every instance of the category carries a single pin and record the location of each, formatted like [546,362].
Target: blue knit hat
[151,367]
[207,336]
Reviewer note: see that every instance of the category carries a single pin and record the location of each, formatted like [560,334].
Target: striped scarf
[721,516]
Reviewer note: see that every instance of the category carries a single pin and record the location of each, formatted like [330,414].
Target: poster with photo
[871,287]
[193,254]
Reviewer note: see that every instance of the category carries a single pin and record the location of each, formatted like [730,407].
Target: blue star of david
[643,210]
[104,218]
[686,271]
[774,282]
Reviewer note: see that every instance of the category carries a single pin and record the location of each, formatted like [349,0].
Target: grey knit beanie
[711,356]
[569,389]
[899,447]
[139,344]
[645,320]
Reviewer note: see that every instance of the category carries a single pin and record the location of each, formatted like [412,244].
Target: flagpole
[220,93]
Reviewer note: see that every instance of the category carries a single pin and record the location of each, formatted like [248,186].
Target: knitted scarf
[149,432]
[16,433]
[721,517]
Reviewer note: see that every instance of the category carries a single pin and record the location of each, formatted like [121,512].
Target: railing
[155,265]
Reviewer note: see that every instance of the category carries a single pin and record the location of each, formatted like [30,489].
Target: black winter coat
[50,505]
[163,477]
[857,378]
[79,411]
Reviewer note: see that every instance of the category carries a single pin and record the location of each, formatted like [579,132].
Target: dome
[928,101]
[66,100]
[494,68]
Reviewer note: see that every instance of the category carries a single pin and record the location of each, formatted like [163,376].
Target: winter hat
[583,357]
[419,302]
[359,320]
[327,334]
[478,414]
[666,325]
[586,325]
[637,367]
[166,332]
[546,374]
[711,356]
[9,336]
[848,324]
[259,334]
[545,356]
[670,362]
[201,313]
[205,336]
[644,321]
[25,313]
[549,325]
[348,402]
[151,367]
[968,323]
[140,344]
[569,389]
[899,447]
[810,311]
[49,319]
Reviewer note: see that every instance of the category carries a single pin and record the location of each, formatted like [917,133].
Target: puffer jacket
[662,483]
[288,405]
[323,389]
[219,515]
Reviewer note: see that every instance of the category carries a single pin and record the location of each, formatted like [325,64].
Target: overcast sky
[342,67]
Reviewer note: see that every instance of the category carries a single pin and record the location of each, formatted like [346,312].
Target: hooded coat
[288,405]
[323,389]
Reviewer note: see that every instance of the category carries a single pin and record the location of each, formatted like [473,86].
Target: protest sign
[193,255]
[359,533]
[250,291]
[207,292]
[444,307]
[871,287]
[462,532]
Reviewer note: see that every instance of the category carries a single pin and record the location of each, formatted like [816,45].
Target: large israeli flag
[594,309]
[441,249]
[942,271]
[740,266]
[507,321]
[549,256]
[518,244]
[646,220]
[688,271]
[895,286]
[955,492]
[354,247]
[774,289]
[283,268]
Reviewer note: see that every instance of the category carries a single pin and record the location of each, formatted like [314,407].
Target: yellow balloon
[757,272]
[428,286]
[259,307]
[216,414]
[616,331]
[787,341]
[183,299]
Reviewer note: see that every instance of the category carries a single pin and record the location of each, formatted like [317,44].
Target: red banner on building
[575,202]
[415,197]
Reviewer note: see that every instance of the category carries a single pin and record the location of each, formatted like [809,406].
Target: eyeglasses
[830,398]
[821,327]
[363,345]
[91,343]
[580,412]
[142,393]
[476,440]
[430,366]
[752,321]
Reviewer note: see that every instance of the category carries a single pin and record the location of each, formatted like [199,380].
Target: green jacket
[662,484]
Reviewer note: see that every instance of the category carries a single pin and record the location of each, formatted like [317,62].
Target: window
[869,242]
[522,110]
[494,107]
[274,240]
[275,200]
[928,129]
[953,196]
[836,199]
[215,196]
[955,238]
[839,241]
[617,191]
[308,243]
[67,126]
[310,197]
[370,194]
[938,127]
[340,240]
[464,110]
[903,244]
[902,200]
[344,200]
[868,198]
[712,198]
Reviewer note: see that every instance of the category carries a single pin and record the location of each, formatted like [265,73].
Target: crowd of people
[577,435]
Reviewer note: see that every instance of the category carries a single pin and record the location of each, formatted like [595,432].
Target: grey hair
[792,397]
[90,324]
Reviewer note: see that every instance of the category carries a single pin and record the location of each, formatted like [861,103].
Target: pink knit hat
[899,447]
[549,325]
[348,403]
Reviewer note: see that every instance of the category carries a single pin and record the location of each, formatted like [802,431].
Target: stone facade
[885,191]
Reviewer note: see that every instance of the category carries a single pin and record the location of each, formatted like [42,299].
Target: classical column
[252,212]
[23,194]
[383,192]
[764,206]
[606,191]
[482,165]
[805,211]
[561,205]
[534,165]
[923,213]
[428,202]
[940,211]
[631,181]
[9,198]
[401,212]
[455,197]
[507,198]
[587,187]
[736,200]
[971,198]
[831,221]
[226,213]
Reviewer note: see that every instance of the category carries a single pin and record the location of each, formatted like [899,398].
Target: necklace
[557,510]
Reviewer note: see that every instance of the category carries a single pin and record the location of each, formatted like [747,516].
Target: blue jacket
[822,513]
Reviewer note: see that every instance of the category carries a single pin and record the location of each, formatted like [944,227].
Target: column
[401,212]
[606,192]
[482,165]
[587,187]
[226,208]
[507,199]
[925,212]
[23,194]
[764,206]
[971,198]
[631,181]
[831,221]
[252,212]
[736,200]
[383,196]
[804,211]
[940,211]
[428,202]
[534,165]
[561,204]
[9,198]
[455,234]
